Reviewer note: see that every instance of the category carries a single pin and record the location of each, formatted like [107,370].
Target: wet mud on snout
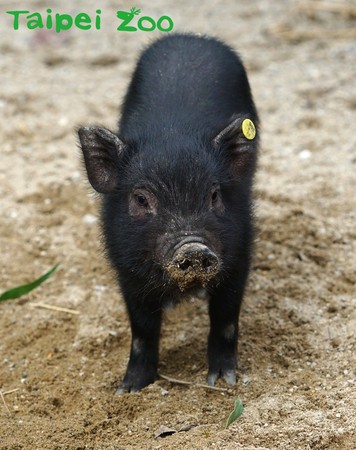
[191,263]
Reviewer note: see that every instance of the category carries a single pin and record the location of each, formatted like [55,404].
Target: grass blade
[236,412]
[25,288]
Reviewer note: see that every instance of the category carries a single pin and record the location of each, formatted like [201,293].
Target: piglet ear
[102,150]
[239,142]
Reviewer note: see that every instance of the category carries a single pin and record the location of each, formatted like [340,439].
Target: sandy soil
[297,340]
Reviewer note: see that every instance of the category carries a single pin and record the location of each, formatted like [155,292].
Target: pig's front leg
[224,308]
[145,319]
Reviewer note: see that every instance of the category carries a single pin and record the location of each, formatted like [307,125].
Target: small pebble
[305,154]
[89,219]
[63,121]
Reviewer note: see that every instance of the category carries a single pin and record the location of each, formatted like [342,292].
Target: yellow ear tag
[248,129]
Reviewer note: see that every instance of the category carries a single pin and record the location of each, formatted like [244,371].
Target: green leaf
[135,11]
[235,413]
[25,288]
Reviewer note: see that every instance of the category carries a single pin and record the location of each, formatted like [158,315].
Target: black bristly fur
[184,92]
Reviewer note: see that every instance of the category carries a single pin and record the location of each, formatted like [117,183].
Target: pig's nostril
[193,261]
[185,264]
[206,263]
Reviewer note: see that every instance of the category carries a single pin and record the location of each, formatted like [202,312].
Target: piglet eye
[141,200]
[214,196]
[215,200]
[142,204]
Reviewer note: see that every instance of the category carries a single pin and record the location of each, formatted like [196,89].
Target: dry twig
[54,308]
[10,392]
[190,383]
[4,402]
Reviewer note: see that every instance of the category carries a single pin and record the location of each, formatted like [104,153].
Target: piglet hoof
[229,376]
[125,388]
[212,378]
[133,383]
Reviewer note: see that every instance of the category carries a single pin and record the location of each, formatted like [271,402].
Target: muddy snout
[196,258]
[193,262]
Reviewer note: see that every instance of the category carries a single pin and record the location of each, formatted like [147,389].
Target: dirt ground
[58,371]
